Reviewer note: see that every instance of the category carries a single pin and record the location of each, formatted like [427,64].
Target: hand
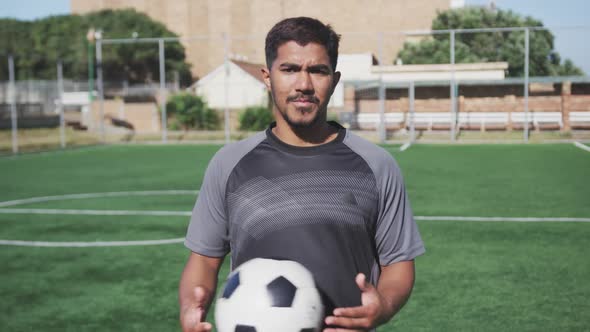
[362,318]
[192,317]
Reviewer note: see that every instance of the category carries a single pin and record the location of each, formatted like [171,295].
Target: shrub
[191,112]
[255,118]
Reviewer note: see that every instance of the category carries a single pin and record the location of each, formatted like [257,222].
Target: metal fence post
[90,50]
[13,114]
[412,97]
[163,94]
[526,84]
[453,88]
[100,86]
[382,127]
[226,87]
[60,107]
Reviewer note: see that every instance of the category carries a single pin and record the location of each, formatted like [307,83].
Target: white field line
[582,146]
[188,214]
[97,195]
[89,244]
[95,212]
[53,152]
[176,213]
[180,240]
[509,219]
[405,147]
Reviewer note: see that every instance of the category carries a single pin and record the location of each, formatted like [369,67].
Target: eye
[288,69]
[320,71]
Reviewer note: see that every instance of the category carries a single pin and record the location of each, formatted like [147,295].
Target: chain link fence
[398,87]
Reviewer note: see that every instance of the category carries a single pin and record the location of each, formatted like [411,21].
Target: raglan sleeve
[208,232]
[396,234]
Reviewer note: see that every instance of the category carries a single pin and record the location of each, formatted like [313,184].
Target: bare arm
[395,286]
[379,304]
[197,290]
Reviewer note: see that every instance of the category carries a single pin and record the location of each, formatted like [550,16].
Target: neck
[320,133]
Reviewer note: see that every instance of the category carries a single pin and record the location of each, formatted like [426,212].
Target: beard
[301,123]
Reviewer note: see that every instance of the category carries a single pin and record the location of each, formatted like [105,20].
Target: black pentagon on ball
[230,286]
[281,292]
[244,328]
[311,329]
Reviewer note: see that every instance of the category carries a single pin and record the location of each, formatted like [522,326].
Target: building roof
[251,68]
[440,67]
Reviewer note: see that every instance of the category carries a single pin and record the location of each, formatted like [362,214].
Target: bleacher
[537,120]
[371,120]
[580,120]
[430,120]
[482,121]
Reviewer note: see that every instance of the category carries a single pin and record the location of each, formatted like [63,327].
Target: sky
[569,42]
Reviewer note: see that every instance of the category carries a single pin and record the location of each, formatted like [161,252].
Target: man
[305,190]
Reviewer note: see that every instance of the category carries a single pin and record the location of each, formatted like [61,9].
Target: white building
[364,68]
[245,87]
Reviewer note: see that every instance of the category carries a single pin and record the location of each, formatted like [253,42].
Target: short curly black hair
[302,30]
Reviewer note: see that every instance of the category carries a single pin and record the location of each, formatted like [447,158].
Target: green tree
[255,118]
[188,111]
[490,46]
[136,62]
[14,40]
[36,46]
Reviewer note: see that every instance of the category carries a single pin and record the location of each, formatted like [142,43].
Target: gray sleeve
[396,233]
[396,236]
[208,231]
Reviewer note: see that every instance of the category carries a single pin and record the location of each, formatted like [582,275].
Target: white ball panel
[250,304]
[256,271]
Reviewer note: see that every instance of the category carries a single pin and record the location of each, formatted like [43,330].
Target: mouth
[303,102]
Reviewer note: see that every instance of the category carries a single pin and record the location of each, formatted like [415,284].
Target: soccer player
[306,190]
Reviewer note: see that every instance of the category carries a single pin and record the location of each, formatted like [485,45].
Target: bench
[35,121]
[372,120]
[537,120]
[430,120]
[580,120]
[483,120]
[547,120]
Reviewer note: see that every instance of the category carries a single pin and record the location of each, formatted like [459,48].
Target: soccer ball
[266,295]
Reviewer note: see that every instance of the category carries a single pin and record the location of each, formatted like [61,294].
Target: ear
[336,78]
[266,77]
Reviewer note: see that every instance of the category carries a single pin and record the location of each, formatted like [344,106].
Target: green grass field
[475,276]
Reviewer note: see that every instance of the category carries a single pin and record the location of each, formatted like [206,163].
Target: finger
[200,296]
[352,312]
[363,284]
[200,327]
[204,327]
[348,323]
[336,329]
[191,316]
[361,281]
[191,319]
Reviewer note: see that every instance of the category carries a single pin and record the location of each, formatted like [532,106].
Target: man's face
[301,81]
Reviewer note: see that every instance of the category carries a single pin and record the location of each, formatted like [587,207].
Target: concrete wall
[144,117]
[254,18]
[507,99]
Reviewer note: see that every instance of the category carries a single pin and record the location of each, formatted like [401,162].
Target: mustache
[307,98]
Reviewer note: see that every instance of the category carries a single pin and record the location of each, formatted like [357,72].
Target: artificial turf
[475,276]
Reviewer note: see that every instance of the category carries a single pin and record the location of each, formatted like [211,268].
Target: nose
[304,83]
